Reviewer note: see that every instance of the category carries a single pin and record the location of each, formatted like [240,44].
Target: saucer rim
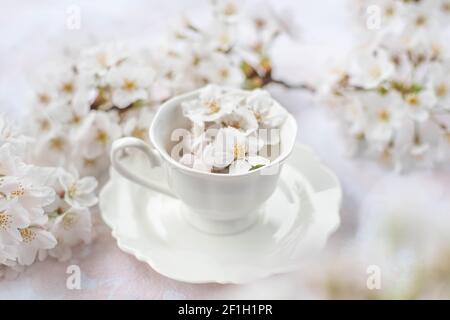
[236,279]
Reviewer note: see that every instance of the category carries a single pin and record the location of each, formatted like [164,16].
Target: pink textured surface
[107,273]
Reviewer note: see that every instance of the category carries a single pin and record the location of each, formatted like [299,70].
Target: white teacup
[212,202]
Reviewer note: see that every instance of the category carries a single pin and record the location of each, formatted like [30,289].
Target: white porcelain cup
[212,202]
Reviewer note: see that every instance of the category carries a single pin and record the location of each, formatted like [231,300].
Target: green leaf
[415,88]
[382,90]
[138,103]
[247,69]
[256,167]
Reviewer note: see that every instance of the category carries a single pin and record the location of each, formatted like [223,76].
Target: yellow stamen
[101,59]
[213,106]
[360,136]
[18,193]
[69,220]
[229,9]
[260,23]
[102,137]
[57,144]
[5,220]
[67,87]
[384,115]
[44,124]
[27,235]
[72,191]
[129,85]
[375,72]
[224,73]
[195,60]
[441,90]
[446,7]
[389,11]
[76,119]
[413,100]
[139,133]
[44,98]
[238,151]
[258,116]
[421,20]
[232,123]
[89,162]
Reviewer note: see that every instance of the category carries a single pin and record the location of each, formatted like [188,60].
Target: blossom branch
[440,124]
[297,86]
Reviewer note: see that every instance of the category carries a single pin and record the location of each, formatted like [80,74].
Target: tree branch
[298,86]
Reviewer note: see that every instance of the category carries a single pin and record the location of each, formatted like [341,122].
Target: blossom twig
[299,86]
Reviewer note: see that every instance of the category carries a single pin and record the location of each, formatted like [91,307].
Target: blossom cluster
[229,129]
[395,91]
[44,211]
[113,90]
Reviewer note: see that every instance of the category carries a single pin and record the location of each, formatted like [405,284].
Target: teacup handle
[152,155]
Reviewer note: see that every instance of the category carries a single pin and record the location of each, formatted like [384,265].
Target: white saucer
[297,220]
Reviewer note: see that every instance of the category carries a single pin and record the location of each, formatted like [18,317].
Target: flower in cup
[232,149]
[267,115]
[210,106]
[242,119]
[251,163]
[229,145]
[195,162]
[232,139]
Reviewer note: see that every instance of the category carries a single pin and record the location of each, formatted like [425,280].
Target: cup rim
[177,100]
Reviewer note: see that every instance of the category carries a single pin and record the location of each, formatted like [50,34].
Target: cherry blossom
[228,140]
[394,89]
[37,204]
[78,192]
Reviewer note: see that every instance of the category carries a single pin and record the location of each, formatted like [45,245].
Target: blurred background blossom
[392,92]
